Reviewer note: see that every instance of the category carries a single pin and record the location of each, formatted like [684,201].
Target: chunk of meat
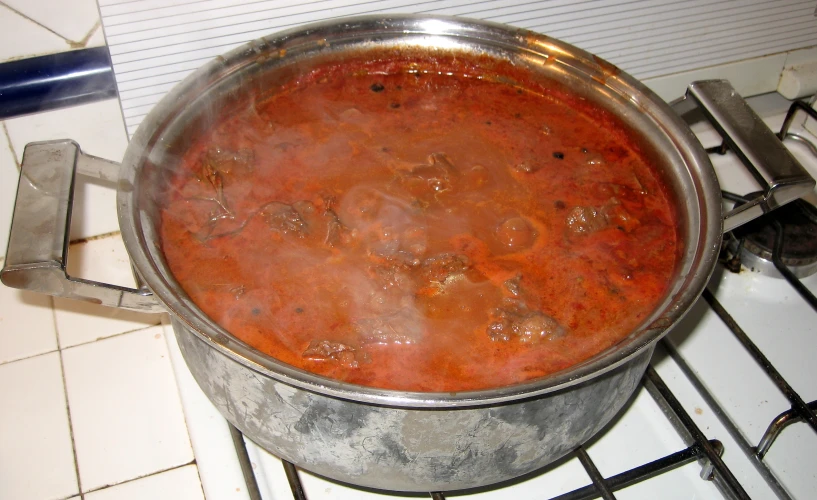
[440,267]
[513,285]
[394,273]
[401,327]
[527,167]
[514,321]
[325,350]
[283,218]
[226,161]
[426,181]
[583,220]
[385,225]
[617,216]
[336,232]
[216,163]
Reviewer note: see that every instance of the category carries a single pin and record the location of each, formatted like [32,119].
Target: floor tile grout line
[175,467]
[52,351]
[67,402]
[84,42]
[70,43]
[168,326]
[8,139]
[115,335]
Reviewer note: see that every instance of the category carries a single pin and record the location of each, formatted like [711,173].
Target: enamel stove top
[697,427]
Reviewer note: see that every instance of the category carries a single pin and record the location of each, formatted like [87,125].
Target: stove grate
[798,405]
[643,472]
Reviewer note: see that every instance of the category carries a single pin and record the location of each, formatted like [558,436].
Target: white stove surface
[771,312]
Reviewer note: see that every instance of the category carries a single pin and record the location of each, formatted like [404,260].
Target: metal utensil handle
[38,244]
[782,177]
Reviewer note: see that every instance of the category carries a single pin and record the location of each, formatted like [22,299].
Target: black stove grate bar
[640,473]
[784,269]
[297,487]
[244,462]
[294,481]
[798,405]
[747,448]
[782,421]
[713,467]
[793,109]
[599,483]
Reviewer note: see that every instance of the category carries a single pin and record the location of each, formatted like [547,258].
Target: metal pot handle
[775,168]
[38,244]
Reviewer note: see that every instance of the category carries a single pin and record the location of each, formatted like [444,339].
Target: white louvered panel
[156,43]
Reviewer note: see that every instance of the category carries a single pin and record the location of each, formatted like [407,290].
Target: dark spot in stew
[559,155]
[488,122]
[377,87]
[584,150]
[299,310]
[256,311]
[517,115]
[559,204]
[394,105]
[518,91]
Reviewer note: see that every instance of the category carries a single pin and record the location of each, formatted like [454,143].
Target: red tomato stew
[421,225]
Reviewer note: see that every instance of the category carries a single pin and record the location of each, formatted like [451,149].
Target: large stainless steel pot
[374,437]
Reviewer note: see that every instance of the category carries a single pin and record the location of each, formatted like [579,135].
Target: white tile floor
[90,407]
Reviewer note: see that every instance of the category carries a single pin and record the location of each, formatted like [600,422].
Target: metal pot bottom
[403,449]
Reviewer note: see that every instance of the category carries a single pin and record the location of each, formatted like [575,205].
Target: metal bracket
[775,168]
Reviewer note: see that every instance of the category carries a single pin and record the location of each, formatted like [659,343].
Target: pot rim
[143,247]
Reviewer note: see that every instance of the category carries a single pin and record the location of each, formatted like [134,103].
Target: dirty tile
[104,260]
[98,129]
[34,431]
[177,484]
[26,324]
[72,19]
[125,409]
[97,38]
[21,38]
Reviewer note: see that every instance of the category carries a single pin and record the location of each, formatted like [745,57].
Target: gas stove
[726,408]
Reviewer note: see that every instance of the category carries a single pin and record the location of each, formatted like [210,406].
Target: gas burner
[756,240]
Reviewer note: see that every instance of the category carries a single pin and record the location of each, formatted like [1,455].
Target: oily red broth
[421,225]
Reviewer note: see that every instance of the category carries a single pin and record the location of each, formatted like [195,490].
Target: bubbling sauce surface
[420,226]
